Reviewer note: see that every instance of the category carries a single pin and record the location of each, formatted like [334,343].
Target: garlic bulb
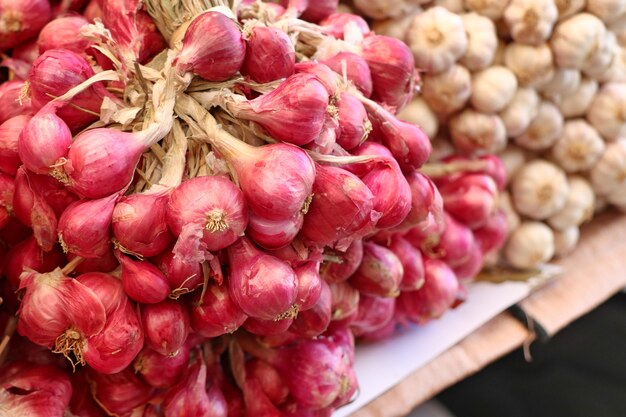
[602,56]
[619,28]
[493,9]
[576,103]
[531,244]
[565,240]
[539,189]
[418,112]
[493,89]
[447,91]
[396,27]
[520,112]
[437,38]
[505,204]
[544,130]
[608,111]
[607,10]
[383,9]
[482,41]
[609,173]
[575,39]
[532,65]
[513,158]
[477,133]
[530,21]
[618,197]
[455,6]
[567,8]
[578,207]
[442,148]
[563,81]
[498,58]
[579,146]
[617,70]
[601,205]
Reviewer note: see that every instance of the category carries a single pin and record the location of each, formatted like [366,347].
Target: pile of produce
[543,83]
[204,203]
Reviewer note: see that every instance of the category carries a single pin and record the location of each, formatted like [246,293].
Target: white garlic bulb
[418,112]
[563,81]
[567,8]
[607,10]
[579,205]
[447,91]
[539,189]
[608,111]
[522,109]
[575,39]
[442,148]
[618,26]
[618,197]
[505,204]
[565,240]
[532,65]
[576,103]
[437,38]
[396,27]
[455,6]
[493,89]
[383,9]
[513,158]
[617,70]
[477,133]
[482,41]
[493,9]
[544,130]
[602,56]
[530,245]
[579,147]
[609,173]
[530,21]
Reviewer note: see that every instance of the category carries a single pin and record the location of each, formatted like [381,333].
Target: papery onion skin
[433,299]
[216,313]
[274,234]
[9,133]
[212,206]
[216,57]
[315,320]
[10,103]
[270,55]
[350,260]
[166,326]
[294,112]
[345,300]
[321,72]
[356,70]
[21,20]
[262,285]
[7,192]
[84,227]
[380,272]
[182,277]
[139,224]
[335,24]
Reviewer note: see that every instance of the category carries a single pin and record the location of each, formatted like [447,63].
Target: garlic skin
[520,112]
[477,133]
[447,91]
[437,38]
[532,65]
[565,241]
[493,9]
[539,189]
[609,174]
[575,39]
[455,6]
[602,56]
[396,27]
[513,158]
[564,81]
[530,245]
[577,102]
[505,204]
[482,41]
[493,89]
[383,9]
[567,8]
[607,10]
[442,148]
[579,206]
[544,130]
[608,111]
[617,70]
[418,112]
[530,21]
[617,197]
[579,146]
[618,26]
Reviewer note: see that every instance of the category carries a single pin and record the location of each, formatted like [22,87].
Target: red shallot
[161,371]
[270,55]
[354,68]
[9,134]
[380,272]
[335,24]
[349,262]
[412,263]
[20,20]
[142,281]
[214,313]
[63,33]
[166,326]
